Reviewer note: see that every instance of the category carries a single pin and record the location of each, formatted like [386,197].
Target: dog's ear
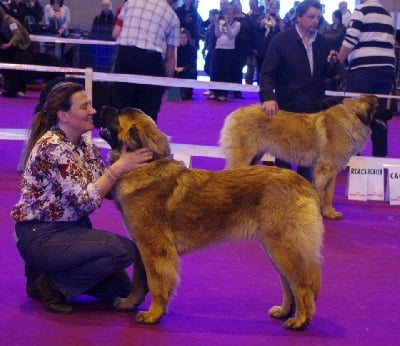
[109,126]
[363,107]
[137,130]
[156,140]
[105,112]
[109,116]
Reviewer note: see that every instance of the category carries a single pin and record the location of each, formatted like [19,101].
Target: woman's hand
[129,161]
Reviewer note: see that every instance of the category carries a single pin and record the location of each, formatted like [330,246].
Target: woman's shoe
[221,98]
[211,97]
[31,289]
[113,286]
[52,299]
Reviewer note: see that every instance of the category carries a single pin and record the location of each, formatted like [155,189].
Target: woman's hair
[51,101]
[52,2]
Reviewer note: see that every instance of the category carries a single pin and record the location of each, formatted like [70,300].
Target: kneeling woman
[65,180]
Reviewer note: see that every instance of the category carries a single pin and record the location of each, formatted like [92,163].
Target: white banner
[394,185]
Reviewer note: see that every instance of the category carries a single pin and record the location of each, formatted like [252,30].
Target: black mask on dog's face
[107,122]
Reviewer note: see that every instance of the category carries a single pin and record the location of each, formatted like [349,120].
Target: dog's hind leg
[287,307]
[162,269]
[300,279]
[240,157]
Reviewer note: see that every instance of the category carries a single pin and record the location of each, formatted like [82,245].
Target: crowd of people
[232,40]
[65,179]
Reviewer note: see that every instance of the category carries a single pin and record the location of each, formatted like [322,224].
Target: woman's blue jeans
[75,256]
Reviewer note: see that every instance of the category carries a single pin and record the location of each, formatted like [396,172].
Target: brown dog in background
[169,210]
[324,141]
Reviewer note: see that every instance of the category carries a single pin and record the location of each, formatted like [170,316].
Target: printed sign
[394,185]
[366,182]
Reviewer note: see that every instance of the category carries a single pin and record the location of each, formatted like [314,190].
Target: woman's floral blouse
[58,180]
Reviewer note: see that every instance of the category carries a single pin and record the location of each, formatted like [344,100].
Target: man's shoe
[52,299]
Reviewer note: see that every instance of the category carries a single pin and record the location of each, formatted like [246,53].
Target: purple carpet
[225,290]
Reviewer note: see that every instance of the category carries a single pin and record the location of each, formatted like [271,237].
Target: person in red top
[118,10]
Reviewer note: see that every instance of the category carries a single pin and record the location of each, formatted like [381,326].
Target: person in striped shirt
[369,49]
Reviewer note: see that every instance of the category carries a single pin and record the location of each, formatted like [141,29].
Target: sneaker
[20,94]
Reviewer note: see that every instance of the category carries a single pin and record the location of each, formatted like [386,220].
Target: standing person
[57,17]
[226,30]
[210,41]
[334,35]
[103,23]
[147,32]
[295,67]
[245,44]
[255,13]
[14,43]
[118,9]
[102,28]
[346,14]
[190,20]
[186,62]
[17,9]
[33,15]
[65,180]
[269,26]
[369,49]
[290,17]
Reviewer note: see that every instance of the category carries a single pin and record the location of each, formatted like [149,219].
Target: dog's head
[133,128]
[368,109]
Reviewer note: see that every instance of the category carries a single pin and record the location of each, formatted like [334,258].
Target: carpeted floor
[226,290]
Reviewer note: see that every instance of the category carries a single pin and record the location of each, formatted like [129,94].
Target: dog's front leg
[324,181]
[162,269]
[138,291]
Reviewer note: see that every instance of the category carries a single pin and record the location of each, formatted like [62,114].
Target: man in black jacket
[295,66]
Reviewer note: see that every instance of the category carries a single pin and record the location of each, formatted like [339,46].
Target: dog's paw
[278,312]
[125,304]
[145,317]
[296,323]
[332,214]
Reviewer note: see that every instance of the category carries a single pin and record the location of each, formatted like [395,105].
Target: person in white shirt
[226,30]
[346,14]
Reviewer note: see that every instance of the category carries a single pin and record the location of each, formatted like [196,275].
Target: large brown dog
[170,209]
[324,141]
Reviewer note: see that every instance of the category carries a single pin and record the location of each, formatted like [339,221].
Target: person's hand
[333,57]
[5,46]
[129,161]
[178,69]
[270,107]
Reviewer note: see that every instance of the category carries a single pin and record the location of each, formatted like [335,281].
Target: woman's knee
[129,251]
